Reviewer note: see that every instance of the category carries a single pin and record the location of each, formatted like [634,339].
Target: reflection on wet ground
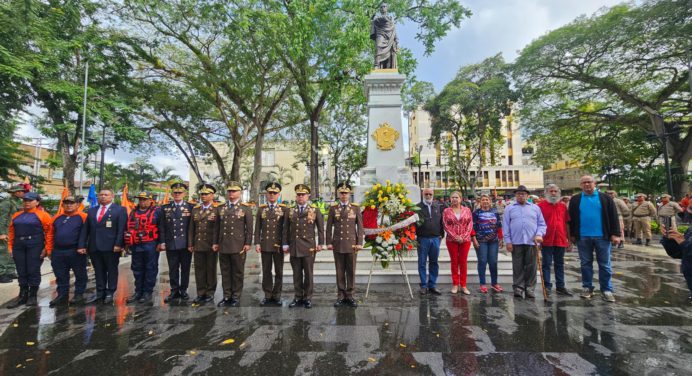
[649,330]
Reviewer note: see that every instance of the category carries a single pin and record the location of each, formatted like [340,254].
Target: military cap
[70,198]
[234,186]
[17,188]
[665,195]
[302,189]
[178,187]
[144,195]
[343,187]
[639,194]
[273,187]
[610,192]
[206,188]
[31,196]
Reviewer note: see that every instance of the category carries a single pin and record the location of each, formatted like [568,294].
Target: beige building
[510,169]
[37,162]
[278,159]
[566,175]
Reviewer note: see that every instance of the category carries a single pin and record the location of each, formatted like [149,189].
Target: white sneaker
[608,296]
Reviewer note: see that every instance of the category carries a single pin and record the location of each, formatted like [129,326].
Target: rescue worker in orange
[142,239]
[30,241]
[67,228]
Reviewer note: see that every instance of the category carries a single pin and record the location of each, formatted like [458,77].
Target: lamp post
[104,145]
[663,139]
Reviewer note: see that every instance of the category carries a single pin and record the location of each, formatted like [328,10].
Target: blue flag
[92,197]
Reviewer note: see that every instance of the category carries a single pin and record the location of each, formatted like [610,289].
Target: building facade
[509,171]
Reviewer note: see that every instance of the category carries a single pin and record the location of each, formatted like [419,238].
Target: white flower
[379,240]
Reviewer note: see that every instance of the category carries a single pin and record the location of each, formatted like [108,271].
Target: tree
[45,46]
[594,89]
[417,95]
[325,46]
[10,153]
[466,118]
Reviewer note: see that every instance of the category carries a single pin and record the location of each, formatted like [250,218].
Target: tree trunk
[235,163]
[314,160]
[681,155]
[257,171]
[69,165]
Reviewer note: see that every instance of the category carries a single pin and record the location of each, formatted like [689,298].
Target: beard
[553,199]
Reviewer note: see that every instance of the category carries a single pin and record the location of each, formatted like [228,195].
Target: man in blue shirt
[523,228]
[594,225]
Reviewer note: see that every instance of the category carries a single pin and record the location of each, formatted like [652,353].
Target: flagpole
[82,155]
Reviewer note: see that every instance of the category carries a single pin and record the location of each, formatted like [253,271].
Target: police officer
[30,241]
[268,237]
[345,238]
[234,238]
[623,211]
[176,223]
[67,228]
[142,239]
[200,241]
[299,239]
[642,212]
[8,207]
[668,211]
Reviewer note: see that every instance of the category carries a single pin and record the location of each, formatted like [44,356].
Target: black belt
[642,216]
[29,237]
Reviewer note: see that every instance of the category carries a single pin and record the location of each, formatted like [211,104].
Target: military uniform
[627,220]
[345,235]
[669,210]
[299,235]
[176,224]
[234,231]
[200,239]
[642,213]
[8,207]
[268,236]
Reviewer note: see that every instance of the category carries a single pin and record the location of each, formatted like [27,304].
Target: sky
[496,26]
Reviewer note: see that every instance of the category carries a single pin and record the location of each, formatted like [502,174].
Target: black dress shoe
[277,302]
[295,303]
[172,296]
[423,291]
[235,302]
[308,304]
[59,300]
[226,302]
[134,298]
[77,299]
[266,302]
[5,279]
[146,298]
[95,299]
[338,303]
[199,300]
[184,296]
[352,303]
[563,291]
[108,299]
[435,291]
[208,298]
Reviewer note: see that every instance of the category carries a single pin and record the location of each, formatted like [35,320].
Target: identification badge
[109,224]
[186,214]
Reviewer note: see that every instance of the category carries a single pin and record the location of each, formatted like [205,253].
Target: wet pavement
[647,331]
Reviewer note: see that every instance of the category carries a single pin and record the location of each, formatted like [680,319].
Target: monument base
[395,174]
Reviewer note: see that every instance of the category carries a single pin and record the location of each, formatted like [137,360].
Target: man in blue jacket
[103,239]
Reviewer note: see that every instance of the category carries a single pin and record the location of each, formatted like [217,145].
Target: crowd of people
[212,233]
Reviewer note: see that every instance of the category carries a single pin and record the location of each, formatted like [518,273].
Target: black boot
[58,301]
[638,242]
[21,298]
[647,242]
[32,300]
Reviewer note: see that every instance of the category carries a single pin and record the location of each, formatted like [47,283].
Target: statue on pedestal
[382,31]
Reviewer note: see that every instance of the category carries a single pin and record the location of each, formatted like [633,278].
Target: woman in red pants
[458,225]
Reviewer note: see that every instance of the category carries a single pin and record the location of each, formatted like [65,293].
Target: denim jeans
[487,254]
[550,255]
[587,245]
[428,253]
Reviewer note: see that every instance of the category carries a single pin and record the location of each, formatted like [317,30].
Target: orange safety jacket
[46,223]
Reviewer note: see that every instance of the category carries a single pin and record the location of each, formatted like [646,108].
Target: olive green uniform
[234,231]
[201,238]
[268,235]
[299,235]
[8,207]
[344,233]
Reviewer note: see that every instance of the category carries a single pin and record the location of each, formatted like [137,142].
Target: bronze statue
[382,31]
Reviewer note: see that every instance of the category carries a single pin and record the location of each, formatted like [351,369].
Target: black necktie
[271,207]
[301,210]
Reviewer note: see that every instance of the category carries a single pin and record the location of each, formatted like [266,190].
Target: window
[268,158]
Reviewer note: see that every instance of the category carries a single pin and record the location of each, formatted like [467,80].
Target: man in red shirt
[556,238]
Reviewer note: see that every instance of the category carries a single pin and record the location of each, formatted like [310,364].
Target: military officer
[345,238]
[200,241]
[668,212]
[300,226]
[176,223]
[642,212]
[268,237]
[234,238]
[8,207]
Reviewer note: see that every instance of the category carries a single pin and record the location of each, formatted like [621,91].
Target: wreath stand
[403,273]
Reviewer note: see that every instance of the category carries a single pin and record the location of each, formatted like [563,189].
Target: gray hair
[549,186]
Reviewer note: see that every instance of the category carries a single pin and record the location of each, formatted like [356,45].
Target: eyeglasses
[427,194]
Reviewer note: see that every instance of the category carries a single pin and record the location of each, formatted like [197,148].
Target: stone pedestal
[386,157]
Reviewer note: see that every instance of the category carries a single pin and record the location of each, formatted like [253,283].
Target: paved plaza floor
[647,331]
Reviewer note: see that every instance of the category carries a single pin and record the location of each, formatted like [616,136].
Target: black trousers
[105,271]
[179,262]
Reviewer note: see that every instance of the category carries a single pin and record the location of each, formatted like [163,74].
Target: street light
[104,145]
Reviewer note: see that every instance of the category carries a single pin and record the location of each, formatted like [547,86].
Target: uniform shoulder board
[263,206]
[198,206]
[249,205]
[283,205]
[314,206]
[335,204]
[354,204]
[216,204]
